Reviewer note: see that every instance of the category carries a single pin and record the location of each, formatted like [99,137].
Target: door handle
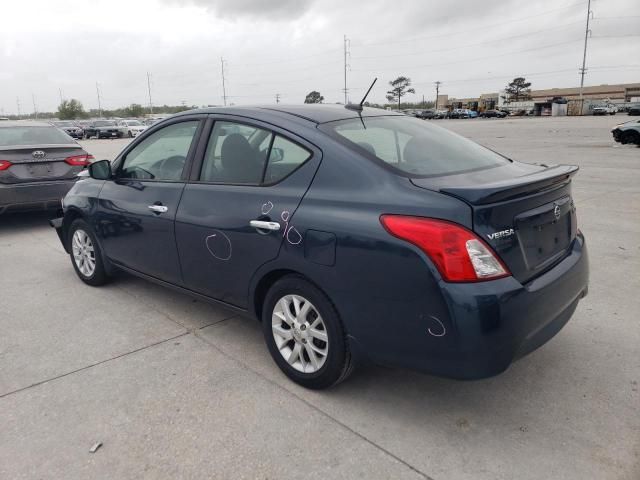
[158,208]
[262,225]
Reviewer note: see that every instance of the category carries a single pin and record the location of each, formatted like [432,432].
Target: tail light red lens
[4,164]
[458,254]
[79,160]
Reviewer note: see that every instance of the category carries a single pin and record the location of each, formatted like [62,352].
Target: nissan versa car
[350,233]
[39,163]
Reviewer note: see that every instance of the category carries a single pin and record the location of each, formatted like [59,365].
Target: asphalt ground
[176,388]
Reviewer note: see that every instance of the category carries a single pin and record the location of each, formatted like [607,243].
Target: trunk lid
[525,212]
[35,163]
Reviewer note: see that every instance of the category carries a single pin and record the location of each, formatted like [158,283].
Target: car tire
[85,254]
[304,334]
[130,134]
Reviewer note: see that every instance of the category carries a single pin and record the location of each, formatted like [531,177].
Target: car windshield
[33,136]
[133,123]
[104,123]
[412,146]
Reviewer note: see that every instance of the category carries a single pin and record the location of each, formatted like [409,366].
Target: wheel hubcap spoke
[300,333]
[83,253]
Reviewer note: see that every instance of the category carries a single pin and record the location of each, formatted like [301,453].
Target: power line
[487,42]
[467,30]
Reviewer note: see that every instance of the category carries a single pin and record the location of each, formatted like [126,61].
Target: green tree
[70,110]
[399,88]
[518,89]
[313,97]
[134,110]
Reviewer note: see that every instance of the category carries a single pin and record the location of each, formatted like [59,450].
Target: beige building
[541,100]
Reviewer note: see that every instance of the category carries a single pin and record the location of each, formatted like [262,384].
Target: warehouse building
[541,101]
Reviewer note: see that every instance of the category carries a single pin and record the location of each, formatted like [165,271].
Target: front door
[240,205]
[137,209]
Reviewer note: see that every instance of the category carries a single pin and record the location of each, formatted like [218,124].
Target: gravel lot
[175,388]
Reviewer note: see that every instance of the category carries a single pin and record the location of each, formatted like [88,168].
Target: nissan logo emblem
[556,211]
[38,154]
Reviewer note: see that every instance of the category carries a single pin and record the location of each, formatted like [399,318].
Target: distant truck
[608,109]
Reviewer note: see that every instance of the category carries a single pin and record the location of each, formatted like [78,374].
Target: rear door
[240,203]
[137,209]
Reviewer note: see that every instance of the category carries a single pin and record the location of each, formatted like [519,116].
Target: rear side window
[284,158]
[413,147]
[248,155]
[33,136]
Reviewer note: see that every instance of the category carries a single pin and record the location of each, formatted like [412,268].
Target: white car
[605,110]
[628,132]
[133,128]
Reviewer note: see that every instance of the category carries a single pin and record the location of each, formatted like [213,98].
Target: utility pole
[224,90]
[277,98]
[61,96]
[18,103]
[584,54]
[347,45]
[99,105]
[149,89]
[35,109]
[438,83]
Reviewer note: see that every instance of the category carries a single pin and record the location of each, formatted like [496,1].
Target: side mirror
[277,155]
[100,170]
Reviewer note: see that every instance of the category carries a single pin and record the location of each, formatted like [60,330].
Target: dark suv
[349,234]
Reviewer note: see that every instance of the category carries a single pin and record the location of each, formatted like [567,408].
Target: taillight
[458,254]
[4,164]
[79,160]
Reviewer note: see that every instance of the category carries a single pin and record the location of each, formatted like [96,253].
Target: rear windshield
[414,147]
[33,136]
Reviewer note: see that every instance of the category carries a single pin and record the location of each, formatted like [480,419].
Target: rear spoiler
[501,190]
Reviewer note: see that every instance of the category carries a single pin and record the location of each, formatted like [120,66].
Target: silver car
[39,163]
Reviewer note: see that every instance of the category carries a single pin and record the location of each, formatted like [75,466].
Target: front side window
[413,147]
[162,155]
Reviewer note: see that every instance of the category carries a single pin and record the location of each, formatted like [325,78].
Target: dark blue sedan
[350,234]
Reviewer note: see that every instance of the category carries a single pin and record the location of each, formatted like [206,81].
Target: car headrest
[238,160]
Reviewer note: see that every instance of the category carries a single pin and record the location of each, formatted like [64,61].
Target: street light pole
[437,92]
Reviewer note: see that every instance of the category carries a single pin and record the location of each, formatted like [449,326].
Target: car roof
[316,113]
[24,123]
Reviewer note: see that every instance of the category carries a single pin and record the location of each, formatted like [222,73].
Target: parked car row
[99,128]
[430,114]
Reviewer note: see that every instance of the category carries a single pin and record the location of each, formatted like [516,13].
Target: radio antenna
[359,107]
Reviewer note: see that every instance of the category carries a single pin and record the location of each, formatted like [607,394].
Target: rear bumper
[482,327]
[498,322]
[33,196]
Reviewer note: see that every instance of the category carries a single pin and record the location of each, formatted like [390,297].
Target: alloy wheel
[83,252]
[300,333]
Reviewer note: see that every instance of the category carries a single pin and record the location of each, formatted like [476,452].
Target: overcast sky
[290,47]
